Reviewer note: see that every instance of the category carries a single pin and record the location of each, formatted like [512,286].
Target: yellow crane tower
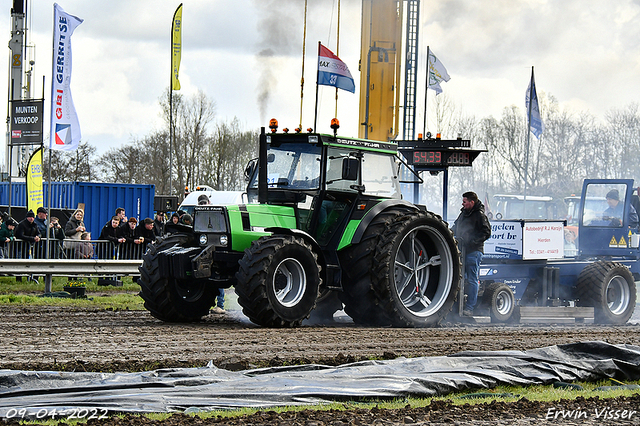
[380,69]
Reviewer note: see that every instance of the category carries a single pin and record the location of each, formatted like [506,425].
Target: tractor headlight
[203,239]
[223,240]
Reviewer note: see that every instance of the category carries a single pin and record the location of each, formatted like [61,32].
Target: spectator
[122,218]
[6,235]
[84,249]
[122,215]
[145,233]
[112,232]
[175,218]
[131,244]
[55,229]
[75,226]
[158,224]
[28,231]
[203,200]
[129,230]
[56,236]
[219,308]
[186,219]
[41,220]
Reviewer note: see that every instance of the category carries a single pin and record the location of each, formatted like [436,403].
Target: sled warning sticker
[613,242]
[622,243]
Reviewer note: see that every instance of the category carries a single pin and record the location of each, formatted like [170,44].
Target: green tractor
[325,225]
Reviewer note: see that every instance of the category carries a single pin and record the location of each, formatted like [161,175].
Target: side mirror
[250,169]
[350,168]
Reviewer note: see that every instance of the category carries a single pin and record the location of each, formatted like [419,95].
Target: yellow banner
[35,195]
[176,47]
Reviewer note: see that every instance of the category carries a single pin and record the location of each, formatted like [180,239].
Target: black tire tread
[358,296]
[384,270]
[251,277]
[155,290]
[590,290]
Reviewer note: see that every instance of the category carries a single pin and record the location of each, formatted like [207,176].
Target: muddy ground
[49,338]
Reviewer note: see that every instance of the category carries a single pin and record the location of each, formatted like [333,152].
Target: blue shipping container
[100,200]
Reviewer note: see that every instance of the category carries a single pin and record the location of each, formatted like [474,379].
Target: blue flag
[535,125]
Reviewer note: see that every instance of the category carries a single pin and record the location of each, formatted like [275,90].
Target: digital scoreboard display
[441,158]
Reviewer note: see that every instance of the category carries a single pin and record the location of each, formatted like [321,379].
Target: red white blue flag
[333,72]
[65,129]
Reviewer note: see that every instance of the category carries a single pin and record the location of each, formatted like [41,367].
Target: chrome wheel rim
[289,282]
[423,271]
[617,295]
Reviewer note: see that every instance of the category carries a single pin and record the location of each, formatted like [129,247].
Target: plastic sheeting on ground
[168,390]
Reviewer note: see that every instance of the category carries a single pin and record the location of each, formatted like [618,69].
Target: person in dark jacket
[75,225]
[145,232]
[41,220]
[158,224]
[112,231]
[471,229]
[129,249]
[56,238]
[7,235]
[28,231]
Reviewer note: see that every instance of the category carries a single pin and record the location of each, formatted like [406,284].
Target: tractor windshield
[292,166]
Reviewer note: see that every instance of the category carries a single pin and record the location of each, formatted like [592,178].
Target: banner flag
[176,47]
[437,73]
[333,72]
[535,125]
[65,129]
[35,195]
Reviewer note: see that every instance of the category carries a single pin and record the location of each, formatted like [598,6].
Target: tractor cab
[326,179]
[609,228]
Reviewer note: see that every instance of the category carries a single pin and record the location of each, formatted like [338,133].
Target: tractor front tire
[278,281]
[417,270]
[608,287]
[167,298]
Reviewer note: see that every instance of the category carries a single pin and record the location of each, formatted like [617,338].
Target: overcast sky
[247,56]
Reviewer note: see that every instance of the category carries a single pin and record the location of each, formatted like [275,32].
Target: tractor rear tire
[500,300]
[417,270]
[608,287]
[167,298]
[358,296]
[278,281]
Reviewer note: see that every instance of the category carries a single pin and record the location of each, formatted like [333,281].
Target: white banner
[543,240]
[65,129]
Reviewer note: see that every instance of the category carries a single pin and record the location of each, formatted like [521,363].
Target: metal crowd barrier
[70,258]
[72,249]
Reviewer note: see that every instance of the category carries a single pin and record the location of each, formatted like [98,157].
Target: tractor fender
[375,211]
[309,239]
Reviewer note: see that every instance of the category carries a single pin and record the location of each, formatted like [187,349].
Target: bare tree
[123,165]
[228,152]
[77,165]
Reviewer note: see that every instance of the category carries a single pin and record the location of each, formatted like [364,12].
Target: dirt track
[46,338]
[37,338]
